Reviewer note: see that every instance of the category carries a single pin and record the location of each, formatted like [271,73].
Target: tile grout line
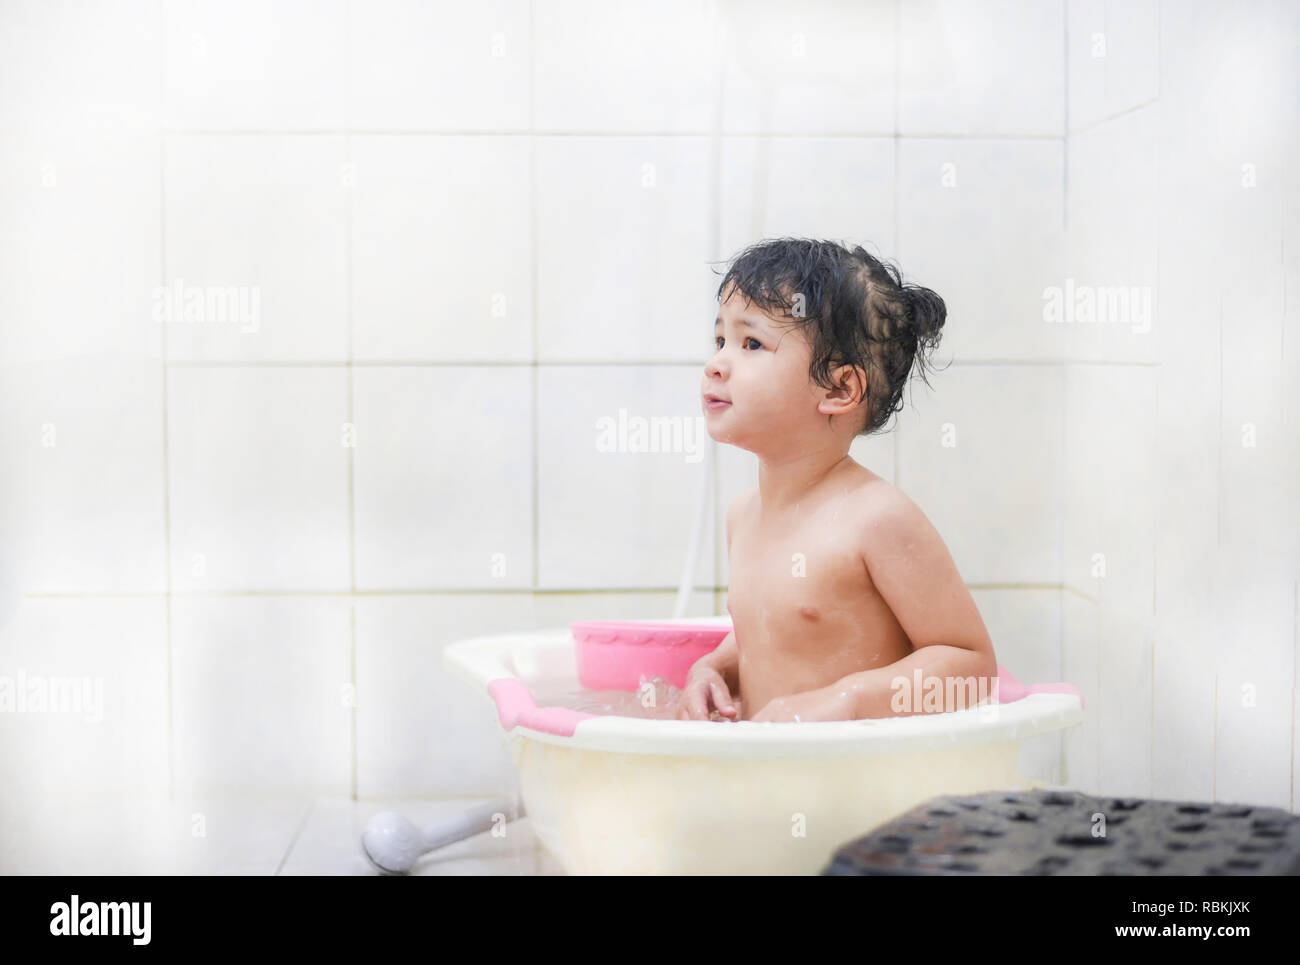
[596,362]
[352,673]
[1065,135]
[713,464]
[1063,449]
[293,842]
[898,70]
[166,453]
[1281,340]
[1214,759]
[349,185]
[1062,773]
[1155,515]
[1155,570]
[534,372]
[1218,502]
[898,151]
[865,135]
[470,591]
[1101,698]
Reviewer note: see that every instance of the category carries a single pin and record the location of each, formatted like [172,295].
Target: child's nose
[714,365]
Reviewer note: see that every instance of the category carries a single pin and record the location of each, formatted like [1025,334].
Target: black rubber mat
[1055,832]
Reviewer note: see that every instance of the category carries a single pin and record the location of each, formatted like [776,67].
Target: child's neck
[781,485]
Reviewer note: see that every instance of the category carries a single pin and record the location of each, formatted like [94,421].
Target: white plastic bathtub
[626,795]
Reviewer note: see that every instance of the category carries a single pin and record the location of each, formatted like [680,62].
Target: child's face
[761,366]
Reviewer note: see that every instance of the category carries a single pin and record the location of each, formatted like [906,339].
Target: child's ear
[855,381]
[852,384]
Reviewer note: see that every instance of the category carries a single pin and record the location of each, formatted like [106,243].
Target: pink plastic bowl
[615,654]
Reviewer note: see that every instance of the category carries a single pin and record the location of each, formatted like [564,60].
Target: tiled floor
[243,836]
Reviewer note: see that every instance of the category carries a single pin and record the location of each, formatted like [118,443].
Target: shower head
[392,844]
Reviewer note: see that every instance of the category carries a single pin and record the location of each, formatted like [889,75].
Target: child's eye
[718,340]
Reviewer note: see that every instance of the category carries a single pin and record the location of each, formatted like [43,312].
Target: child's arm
[727,657]
[915,574]
[698,696]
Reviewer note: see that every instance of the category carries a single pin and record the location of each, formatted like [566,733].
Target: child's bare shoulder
[881,504]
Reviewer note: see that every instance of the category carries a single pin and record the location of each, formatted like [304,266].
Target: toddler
[844,600]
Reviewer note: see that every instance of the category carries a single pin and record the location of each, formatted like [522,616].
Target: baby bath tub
[626,795]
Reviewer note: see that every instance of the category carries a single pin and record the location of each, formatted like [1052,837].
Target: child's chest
[793,585]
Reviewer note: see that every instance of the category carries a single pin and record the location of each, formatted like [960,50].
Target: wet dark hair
[855,311]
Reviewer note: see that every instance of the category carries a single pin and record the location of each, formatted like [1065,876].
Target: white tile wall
[1186,532]
[981,454]
[813,68]
[444,477]
[250,65]
[68,422]
[559,609]
[101,666]
[258,478]
[1114,235]
[814,187]
[267,214]
[1261,450]
[421,730]
[1123,707]
[1113,58]
[263,695]
[77,285]
[1081,666]
[70,69]
[979,222]
[423,66]
[605,204]
[645,66]
[981,69]
[442,252]
[1255,633]
[1183,703]
[1191,454]
[1110,485]
[620,518]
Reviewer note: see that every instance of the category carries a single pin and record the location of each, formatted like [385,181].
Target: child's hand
[705,690]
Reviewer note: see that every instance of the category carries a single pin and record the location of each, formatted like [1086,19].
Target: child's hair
[855,310]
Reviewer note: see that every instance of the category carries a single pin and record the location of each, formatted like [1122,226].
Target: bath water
[655,699]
